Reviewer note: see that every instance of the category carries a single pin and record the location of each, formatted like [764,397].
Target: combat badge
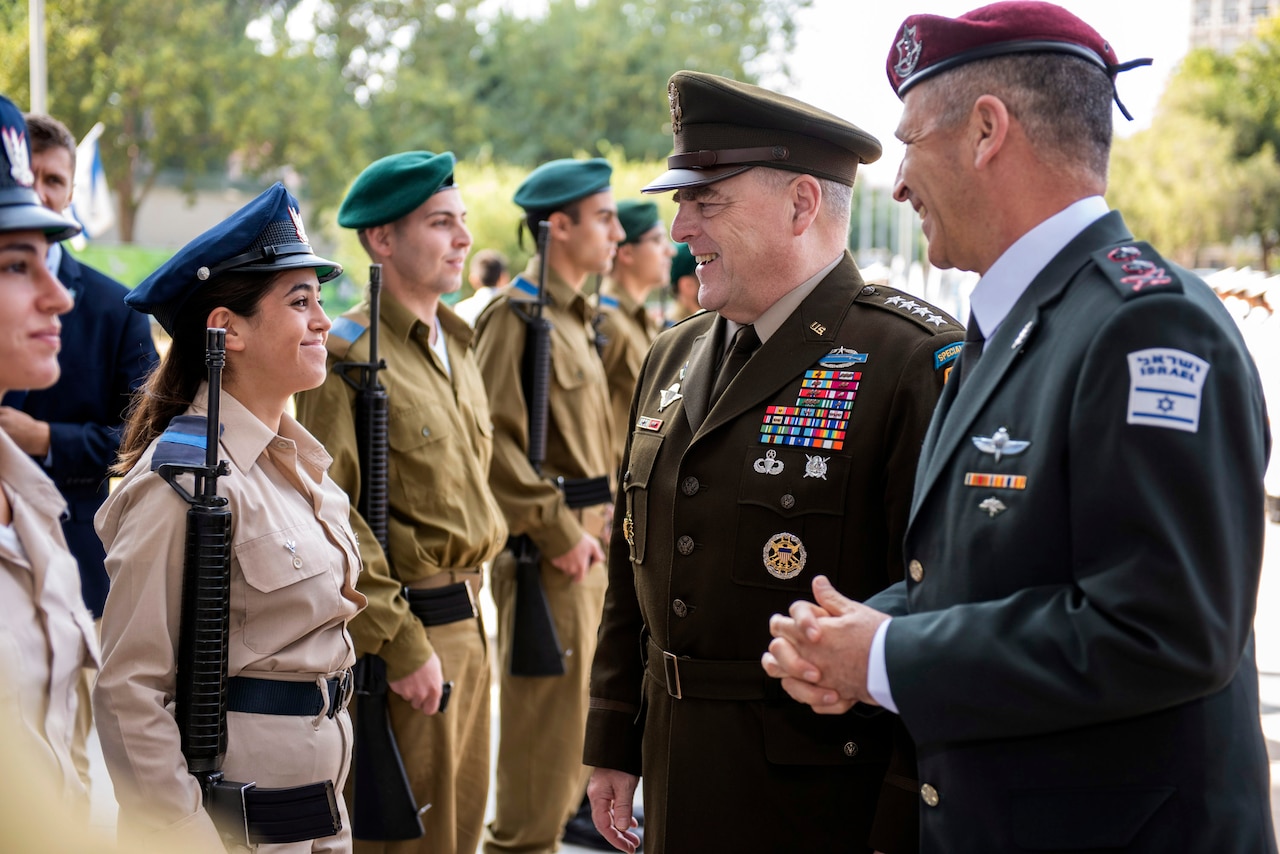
[669,396]
[769,463]
[816,466]
[784,556]
[992,507]
[1001,444]
[842,357]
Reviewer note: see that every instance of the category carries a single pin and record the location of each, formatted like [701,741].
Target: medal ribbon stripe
[996,481]
[820,418]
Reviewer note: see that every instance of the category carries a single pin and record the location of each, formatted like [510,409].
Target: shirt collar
[775,315]
[1012,273]
[246,438]
[53,260]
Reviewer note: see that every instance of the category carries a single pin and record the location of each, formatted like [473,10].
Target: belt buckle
[671,666]
[346,687]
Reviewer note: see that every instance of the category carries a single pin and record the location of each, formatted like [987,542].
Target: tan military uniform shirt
[46,633]
[294,564]
[441,514]
[580,441]
[628,331]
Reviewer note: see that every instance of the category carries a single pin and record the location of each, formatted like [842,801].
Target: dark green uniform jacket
[1077,663]
[724,518]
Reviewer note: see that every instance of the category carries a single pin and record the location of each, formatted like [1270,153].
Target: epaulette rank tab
[182,443]
[346,330]
[1136,270]
[895,301]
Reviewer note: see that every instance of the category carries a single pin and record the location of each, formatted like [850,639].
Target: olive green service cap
[557,183]
[723,127]
[391,187]
[637,219]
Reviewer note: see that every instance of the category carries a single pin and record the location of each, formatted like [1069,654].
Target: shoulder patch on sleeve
[926,316]
[1136,270]
[1165,387]
[947,355]
[182,443]
[346,330]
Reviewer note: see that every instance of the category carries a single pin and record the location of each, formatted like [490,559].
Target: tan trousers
[446,756]
[540,776]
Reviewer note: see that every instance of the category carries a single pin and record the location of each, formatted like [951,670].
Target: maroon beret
[930,44]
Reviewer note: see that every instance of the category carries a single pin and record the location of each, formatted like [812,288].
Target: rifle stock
[535,644]
[383,806]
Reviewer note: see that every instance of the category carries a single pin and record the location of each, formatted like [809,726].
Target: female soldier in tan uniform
[294,558]
[46,634]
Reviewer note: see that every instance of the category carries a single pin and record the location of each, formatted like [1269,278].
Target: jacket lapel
[953,425]
[700,375]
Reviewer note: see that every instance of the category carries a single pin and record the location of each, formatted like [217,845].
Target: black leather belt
[273,816]
[439,606]
[582,492]
[703,679]
[275,697]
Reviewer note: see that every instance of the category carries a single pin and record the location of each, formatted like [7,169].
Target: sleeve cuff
[878,672]
[407,651]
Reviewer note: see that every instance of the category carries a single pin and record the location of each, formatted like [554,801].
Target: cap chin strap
[728,157]
[266,253]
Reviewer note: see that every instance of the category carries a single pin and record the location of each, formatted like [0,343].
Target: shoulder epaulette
[524,287]
[346,330]
[922,313]
[1136,270]
[182,443]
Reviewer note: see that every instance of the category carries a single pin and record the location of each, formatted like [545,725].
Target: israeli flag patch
[1165,387]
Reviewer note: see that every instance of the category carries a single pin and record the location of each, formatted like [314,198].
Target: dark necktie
[973,342]
[745,342]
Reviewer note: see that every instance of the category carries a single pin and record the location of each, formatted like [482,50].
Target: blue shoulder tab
[525,287]
[182,443]
[608,301]
[347,329]
[1136,270]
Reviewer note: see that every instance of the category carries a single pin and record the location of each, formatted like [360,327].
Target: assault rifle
[535,645]
[242,811]
[383,807]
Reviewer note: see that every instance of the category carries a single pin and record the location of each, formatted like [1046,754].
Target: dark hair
[45,132]
[172,384]
[1062,102]
[491,264]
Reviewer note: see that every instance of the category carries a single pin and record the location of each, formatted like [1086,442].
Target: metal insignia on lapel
[992,506]
[769,463]
[816,466]
[669,396]
[784,556]
[293,550]
[1023,335]
[1000,444]
[683,368]
[818,328]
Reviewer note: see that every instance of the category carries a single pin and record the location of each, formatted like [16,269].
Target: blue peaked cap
[20,207]
[266,235]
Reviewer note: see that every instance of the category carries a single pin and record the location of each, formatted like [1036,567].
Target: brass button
[788,501]
[916,570]
[690,486]
[685,545]
[929,794]
[681,609]
[850,749]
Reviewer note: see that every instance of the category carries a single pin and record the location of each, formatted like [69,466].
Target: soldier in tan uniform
[46,635]
[684,285]
[294,558]
[642,265]
[443,521]
[772,437]
[540,776]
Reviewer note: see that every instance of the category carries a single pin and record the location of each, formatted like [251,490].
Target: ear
[806,201]
[989,123]
[380,238]
[561,225]
[626,254]
[224,318]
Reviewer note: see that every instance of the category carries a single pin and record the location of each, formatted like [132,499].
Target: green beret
[683,264]
[391,187]
[555,184]
[723,127]
[637,219]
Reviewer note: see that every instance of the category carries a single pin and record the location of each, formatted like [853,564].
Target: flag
[91,201]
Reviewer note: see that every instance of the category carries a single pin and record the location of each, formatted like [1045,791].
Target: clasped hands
[819,649]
